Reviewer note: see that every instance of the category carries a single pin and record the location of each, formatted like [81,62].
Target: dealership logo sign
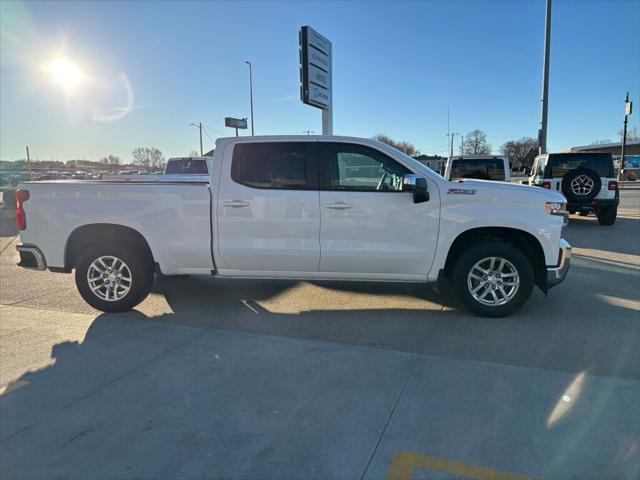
[315,68]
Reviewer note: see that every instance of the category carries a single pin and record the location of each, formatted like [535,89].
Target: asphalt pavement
[213,378]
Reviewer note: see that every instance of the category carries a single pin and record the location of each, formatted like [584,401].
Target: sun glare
[65,73]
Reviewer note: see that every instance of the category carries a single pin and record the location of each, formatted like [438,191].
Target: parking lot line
[403,465]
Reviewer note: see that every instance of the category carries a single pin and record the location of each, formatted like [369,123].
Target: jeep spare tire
[581,185]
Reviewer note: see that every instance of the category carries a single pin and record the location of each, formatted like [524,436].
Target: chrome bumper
[555,275]
[31,257]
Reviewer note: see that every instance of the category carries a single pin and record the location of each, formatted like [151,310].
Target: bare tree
[521,152]
[632,134]
[111,160]
[149,158]
[193,153]
[475,143]
[404,146]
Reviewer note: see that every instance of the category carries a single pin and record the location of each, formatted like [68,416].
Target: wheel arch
[90,234]
[522,240]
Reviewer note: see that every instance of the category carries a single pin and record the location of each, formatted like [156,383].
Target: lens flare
[65,73]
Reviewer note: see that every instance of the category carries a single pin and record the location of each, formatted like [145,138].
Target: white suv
[587,180]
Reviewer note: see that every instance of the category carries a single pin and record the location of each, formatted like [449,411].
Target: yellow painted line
[13,386]
[404,463]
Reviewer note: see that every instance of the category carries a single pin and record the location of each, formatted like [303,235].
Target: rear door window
[480,168]
[562,163]
[275,165]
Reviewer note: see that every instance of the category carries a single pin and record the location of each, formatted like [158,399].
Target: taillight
[613,185]
[21,197]
[546,185]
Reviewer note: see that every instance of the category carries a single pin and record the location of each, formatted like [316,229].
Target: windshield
[415,164]
[480,168]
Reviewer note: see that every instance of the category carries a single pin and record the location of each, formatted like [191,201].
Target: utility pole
[451,147]
[199,126]
[628,107]
[542,132]
[308,132]
[29,158]
[250,92]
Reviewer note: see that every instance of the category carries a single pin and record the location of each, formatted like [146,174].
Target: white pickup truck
[299,207]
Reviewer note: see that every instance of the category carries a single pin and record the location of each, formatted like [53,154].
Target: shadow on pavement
[8,226]
[238,398]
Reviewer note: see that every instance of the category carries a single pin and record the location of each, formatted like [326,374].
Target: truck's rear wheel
[112,277]
[492,279]
[607,215]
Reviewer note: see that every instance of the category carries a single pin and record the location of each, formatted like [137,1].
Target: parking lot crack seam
[393,409]
[7,245]
[33,298]
[102,387]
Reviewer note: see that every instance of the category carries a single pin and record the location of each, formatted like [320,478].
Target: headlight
[558,208]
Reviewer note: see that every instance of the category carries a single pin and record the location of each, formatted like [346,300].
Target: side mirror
[418,186]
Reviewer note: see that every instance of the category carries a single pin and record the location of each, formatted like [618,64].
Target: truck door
[368,224]
[268,208]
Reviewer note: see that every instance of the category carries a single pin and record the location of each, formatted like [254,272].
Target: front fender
[527,217]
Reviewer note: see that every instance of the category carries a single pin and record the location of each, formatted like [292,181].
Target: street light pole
[29,157]
[199,125]
[627,112]
[542,133]
[250,92]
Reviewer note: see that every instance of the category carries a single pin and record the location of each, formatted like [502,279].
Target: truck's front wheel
[114,278]
[492,279]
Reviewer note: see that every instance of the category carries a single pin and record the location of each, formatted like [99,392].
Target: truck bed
[174,217]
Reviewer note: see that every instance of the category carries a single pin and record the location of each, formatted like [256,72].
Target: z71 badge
[460,191]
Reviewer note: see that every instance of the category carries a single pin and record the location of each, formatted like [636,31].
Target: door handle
[338,206]
[236,203]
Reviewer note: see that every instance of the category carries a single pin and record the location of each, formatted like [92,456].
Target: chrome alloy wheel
[493,281]
[582,185]
[109,278]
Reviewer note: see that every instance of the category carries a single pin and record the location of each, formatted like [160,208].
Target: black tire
[476,253]
[607,215]
[574,196]
[137,261]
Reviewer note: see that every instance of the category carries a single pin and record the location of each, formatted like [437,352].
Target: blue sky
[397,67]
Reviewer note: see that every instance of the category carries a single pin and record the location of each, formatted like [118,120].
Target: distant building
[434,162]
[632,148]
[615,149]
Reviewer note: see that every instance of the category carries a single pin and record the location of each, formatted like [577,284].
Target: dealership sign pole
[316,75]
